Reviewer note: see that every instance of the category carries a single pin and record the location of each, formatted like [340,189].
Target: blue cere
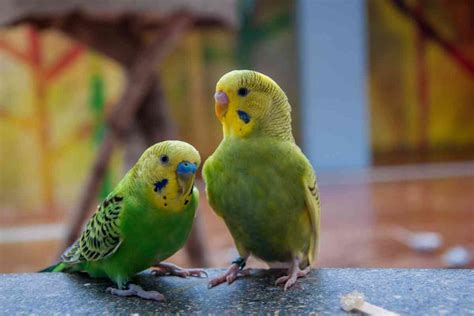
[185,167]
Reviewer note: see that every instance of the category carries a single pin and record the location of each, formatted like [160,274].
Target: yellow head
[166,173]
[249,103]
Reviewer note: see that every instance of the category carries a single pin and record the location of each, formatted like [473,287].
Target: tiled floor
[360,215]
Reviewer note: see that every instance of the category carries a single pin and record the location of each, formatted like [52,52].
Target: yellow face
[168,170]
[243,101]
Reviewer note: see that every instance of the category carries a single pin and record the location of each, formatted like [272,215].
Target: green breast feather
[258,187]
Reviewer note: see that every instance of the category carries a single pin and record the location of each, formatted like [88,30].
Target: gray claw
[136,290]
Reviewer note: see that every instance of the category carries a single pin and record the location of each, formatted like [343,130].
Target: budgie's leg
[136,290]
[294,272]
[234,271]
[164,268]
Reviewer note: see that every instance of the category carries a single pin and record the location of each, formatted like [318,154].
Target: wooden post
[140,80]
[153,124]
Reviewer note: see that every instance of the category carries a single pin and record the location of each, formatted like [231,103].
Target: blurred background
[383,104]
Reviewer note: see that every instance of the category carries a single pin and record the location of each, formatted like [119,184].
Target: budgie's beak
[222,103]
[185,172]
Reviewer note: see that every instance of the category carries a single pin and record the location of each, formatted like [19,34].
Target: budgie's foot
[234,271]
[136,290]
[229,276]
[164,268]
[293,274]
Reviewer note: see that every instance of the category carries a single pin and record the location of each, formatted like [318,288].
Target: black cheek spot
[243,116]
[166,204]
[160,185]
[164,197]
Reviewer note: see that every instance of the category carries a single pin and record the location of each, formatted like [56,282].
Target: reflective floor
[361,223]
[362,217]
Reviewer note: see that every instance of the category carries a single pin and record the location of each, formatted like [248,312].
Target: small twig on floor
[356,300]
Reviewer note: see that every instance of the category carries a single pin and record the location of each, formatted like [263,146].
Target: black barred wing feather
[101,238]
[72,254]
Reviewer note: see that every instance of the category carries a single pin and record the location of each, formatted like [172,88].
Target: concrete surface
[406,291]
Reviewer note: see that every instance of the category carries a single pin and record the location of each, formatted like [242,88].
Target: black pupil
[243,92]
[164,158]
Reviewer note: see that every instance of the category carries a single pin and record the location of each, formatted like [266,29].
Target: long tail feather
[58,267]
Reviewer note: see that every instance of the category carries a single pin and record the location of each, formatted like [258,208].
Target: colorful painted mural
[54,94]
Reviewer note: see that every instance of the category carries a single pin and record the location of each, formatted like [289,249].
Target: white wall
[334,109]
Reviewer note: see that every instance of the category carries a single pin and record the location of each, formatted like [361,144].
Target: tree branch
[430,32]
[12,51]
[65,60]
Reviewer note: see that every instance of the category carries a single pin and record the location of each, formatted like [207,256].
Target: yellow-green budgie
[144,220]
[259,181]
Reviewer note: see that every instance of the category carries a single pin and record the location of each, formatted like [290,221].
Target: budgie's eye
[164,158]
[243,92]
[243,116]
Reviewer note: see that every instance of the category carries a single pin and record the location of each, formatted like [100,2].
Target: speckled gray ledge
[406,291]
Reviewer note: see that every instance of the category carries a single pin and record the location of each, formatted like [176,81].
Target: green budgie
[259,181]
[144,220]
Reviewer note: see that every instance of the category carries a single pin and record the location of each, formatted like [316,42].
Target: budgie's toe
[164,268]
[293,274]
[229,276]
[136,290]
[282,279]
